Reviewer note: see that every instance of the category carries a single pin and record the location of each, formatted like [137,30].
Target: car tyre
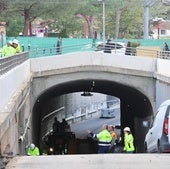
[159,147]
[145,148]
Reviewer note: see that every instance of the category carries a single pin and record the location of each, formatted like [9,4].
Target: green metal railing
[40,52]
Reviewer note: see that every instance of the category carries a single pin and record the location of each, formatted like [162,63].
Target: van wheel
[159,148]
[145,148]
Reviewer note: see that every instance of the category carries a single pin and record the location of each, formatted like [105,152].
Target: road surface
[95,124]
[97,161]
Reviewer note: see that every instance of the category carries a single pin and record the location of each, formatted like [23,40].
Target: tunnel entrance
[135,106]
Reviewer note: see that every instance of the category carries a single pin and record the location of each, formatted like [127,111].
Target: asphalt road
[94,125]
[95,161]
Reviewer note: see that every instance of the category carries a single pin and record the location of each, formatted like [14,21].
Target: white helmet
[126,129]
[15,41]
[32,146]
[9,42]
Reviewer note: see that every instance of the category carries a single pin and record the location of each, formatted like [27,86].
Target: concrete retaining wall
[10,83]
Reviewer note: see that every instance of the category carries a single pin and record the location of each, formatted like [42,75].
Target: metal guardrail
[40,52]
[74,117]
[8,63]
[132,51]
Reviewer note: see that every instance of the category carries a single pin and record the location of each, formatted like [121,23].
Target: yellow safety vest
[128,143]
[8,51]
[104,138]
[34,152]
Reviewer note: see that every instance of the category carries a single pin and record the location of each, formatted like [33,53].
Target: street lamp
[103,1]
[147,4]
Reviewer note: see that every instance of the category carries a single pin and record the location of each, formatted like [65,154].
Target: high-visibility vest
[34,152]
[8,51]
[104,138]
[128,143]
[18,49]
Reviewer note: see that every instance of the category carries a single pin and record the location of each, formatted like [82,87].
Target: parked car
[158,137]
[110,111]
[111,47]
[107,113]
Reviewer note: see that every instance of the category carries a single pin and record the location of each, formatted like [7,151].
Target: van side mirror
[147,124]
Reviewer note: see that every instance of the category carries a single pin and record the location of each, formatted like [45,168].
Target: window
[163,32]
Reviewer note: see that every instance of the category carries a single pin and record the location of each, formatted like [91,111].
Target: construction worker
[33,150]
[128,141]
[8,50]
[112,132]
[16,46]
[104,139]
[114,137]
[56,126]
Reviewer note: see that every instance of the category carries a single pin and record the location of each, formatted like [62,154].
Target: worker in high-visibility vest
[114,138]
[104,139]
[33,150]
[16,46]
[128,141]
[8,50]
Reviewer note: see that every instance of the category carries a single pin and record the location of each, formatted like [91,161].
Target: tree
[36,8]
[88,13]
[28,19]
[3,5]
[124,18]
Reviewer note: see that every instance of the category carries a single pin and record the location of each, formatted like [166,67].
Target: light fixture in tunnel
[86,93]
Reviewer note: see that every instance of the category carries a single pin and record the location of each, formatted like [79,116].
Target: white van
[115,47]
[107,113]
[158,137]
[110,111]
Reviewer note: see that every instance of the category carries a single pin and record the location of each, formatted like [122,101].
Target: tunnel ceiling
[131,97]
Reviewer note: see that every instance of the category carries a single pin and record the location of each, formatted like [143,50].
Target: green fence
[150,42]
[48,45]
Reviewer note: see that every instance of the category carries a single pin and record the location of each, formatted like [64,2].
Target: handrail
[132,51]
[39,52]
[52,113]
[8,63]
[74,116]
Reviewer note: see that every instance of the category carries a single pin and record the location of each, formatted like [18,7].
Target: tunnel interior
[134,104]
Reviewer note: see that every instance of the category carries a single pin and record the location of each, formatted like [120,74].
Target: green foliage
[66,23]
[14,27]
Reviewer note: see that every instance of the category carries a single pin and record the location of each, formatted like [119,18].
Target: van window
[160,115]
[168,111]
[154,120]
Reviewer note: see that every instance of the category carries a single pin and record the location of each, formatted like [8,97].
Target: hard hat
[15,41]
[10,42]
[126,129]
[32,146]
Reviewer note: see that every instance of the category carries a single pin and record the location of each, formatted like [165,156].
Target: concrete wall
[45,66]
[14,104]
[11,81]
[163,81]
[137,72]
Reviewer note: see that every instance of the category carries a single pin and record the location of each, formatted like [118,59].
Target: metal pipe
[146,22]
[104,21]
[103,18]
